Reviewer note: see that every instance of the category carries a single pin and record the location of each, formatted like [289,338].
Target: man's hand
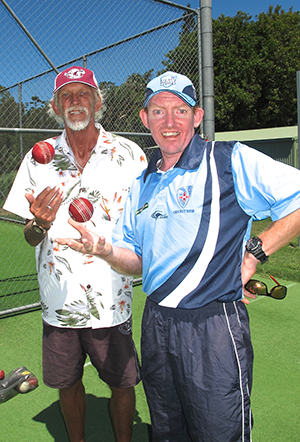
[45,206]
[89,243]
[122,260]
[248,270]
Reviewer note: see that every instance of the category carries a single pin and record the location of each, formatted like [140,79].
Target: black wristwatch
[254,246]
[39,229]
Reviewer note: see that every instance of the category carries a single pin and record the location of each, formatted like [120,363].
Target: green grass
[18,257]
[36,416]
[18,283]
[283,264]
[276,340]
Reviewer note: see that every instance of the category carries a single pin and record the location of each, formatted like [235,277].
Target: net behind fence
[125,43]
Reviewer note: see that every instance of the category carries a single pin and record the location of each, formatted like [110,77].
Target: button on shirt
[79,290]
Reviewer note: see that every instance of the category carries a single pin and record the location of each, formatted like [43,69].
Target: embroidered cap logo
[75,73]
[168,81]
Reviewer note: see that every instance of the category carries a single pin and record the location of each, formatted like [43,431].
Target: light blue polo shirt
[190,223]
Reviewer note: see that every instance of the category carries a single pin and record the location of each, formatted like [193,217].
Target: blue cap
[177,84]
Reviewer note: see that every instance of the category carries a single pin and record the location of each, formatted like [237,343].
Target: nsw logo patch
[184,195]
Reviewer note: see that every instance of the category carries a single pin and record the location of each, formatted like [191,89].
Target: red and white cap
[75,74]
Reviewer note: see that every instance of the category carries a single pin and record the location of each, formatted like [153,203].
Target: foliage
[122,105]
[235,62]
[255,64]
[13,146]
[124,102]
[189,23]
[9,111]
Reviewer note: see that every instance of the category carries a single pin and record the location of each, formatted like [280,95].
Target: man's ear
[98,103]
[55,108]
[144,118]
[198,115]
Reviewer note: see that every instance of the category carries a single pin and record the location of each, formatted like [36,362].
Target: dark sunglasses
[260,288]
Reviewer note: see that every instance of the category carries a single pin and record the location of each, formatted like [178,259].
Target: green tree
[255,64]
[124,102]
[184,58]
[9,141]
[278,34]
[236,62]
[189,23]
[36,116]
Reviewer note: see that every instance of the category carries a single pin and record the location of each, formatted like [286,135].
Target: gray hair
[98,115]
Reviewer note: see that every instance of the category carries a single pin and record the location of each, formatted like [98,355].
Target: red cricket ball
[2,375]
[81,210]
[43,152]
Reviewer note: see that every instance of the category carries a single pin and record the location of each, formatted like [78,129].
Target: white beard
[77,125]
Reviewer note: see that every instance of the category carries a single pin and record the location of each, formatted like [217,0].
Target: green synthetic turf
[35,417]
[275,334]
[18,281]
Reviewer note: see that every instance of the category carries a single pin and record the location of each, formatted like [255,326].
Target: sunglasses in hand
[260,288]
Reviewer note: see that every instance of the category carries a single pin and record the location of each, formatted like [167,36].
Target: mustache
[76,108]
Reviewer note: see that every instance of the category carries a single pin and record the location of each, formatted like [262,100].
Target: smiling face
[172,123]
[77,104]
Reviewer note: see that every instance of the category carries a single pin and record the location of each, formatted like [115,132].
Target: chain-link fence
[125,43]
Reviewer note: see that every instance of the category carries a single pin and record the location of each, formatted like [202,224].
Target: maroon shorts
[111,351]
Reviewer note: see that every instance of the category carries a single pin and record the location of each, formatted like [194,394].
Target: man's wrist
[39,228]
[254,247]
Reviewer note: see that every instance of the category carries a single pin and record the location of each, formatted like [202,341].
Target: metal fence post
[207,69]
[20,120]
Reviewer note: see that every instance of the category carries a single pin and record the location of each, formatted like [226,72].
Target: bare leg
[122,406]
[73,407]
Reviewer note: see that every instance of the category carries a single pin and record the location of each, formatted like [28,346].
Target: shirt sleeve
[23,183]
[264,187]
[124,233]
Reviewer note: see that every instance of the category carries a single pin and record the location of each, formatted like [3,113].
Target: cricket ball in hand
[81,210]
[43,152]
[2,375]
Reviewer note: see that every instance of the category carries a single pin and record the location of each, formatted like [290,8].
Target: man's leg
[167,418]
[113,354]
[122,406]
[63,361]
[73,407]
[212,353]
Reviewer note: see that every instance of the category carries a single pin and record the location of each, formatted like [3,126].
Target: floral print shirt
[79,290]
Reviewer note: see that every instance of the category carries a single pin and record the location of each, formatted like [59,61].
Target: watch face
[253,243]
[38,229]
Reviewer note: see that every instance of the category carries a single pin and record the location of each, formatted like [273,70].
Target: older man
[86,305]
[186,226]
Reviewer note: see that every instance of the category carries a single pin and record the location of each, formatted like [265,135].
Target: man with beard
[86,305]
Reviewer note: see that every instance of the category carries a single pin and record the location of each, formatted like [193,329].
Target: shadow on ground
[98,423]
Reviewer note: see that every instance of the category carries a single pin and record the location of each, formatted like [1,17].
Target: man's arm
[278,234]
[122,260]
